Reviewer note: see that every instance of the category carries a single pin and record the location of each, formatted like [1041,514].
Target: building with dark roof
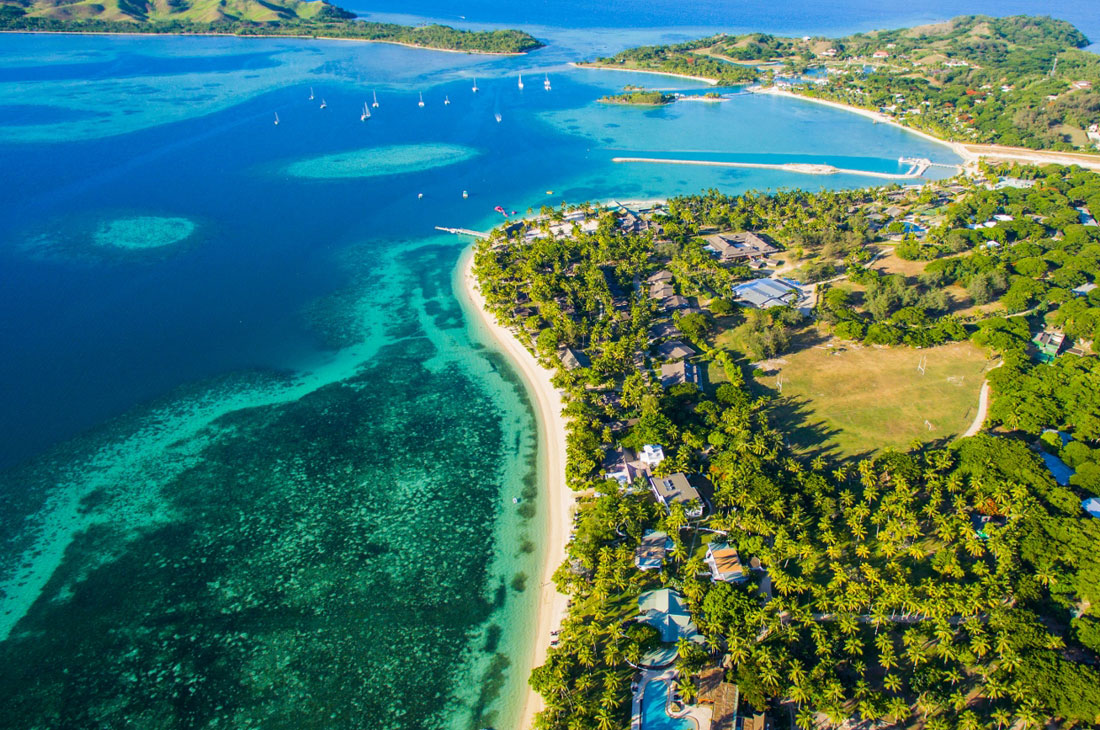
[735,247]
[676,489]
[681,371]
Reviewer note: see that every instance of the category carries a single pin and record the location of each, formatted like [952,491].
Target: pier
[462,232]
[804,168]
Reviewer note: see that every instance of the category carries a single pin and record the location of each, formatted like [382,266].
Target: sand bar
[551,424]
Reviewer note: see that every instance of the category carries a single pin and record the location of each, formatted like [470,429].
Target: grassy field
[852,400]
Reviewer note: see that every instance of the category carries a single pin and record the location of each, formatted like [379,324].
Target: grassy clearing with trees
[850,400]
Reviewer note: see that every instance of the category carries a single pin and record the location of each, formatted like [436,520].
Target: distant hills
[1017,81]
[244,17]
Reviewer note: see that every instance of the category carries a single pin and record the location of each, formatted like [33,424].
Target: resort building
[738,247]
[679,372]
[661,290]
[676,302]
[662,276]
[650,554]
[1049,343]
[1083,290]
[619,465]
[674,349]
[652,455]
[724,564]
[665,610]
[573,359]
[713,689]
[767,293]
[676,489]
[661,330]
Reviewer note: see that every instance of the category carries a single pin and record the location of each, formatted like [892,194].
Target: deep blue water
[191,424]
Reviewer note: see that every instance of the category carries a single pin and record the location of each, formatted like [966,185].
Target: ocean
[257,468]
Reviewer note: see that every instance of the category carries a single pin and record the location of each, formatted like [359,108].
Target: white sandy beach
[551,422]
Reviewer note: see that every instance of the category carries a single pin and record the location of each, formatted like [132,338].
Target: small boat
[420,196]
[446,100]
[475,89]
[366,113]
[549,192]
[465,195]
[421,104]
[375,102]
[311,93]
[521,82]
[546,83]
[276,119]
[515,500]
[498,117]
[323,104]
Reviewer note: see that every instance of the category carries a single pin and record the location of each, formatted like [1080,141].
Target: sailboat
[521,82]
[421,104]
[498,117]
[276,119]
[311,93]
[323,103]
[366,113]
[475,86]
[446,100]
[375,102]
[546,83]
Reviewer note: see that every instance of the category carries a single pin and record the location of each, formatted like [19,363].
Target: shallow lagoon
[264,476]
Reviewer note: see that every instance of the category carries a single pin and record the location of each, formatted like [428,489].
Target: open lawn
[847,400]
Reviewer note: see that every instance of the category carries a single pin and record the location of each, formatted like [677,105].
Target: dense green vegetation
[681,59]
[641,96]
[950,586]
[1011,81]
[247,17]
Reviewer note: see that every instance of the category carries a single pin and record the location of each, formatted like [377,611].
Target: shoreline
[956,147]
[712,82]
[551,425]
[262,35]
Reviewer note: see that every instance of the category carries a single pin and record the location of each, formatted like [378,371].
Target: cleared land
[848,400]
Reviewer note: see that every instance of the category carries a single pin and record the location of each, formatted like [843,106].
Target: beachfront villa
[652,455]
[619,464]
[676,489]
[724,563]
[650,554]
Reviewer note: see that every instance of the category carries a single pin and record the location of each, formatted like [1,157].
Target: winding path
[983,406]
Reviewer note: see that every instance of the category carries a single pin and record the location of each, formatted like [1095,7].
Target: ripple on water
[376,161]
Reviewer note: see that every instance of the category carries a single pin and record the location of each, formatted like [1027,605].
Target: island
[637,96]
[833,457]
[1015,82]
[292,18]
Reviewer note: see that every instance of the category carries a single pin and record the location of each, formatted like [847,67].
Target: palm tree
[806,719]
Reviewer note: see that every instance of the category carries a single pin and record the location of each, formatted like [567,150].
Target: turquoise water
[257,470]
[655,713]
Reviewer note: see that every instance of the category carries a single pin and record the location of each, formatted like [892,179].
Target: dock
[462,232]
[915,171]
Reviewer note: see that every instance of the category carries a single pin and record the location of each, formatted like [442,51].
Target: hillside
[244,17]
[1021,81]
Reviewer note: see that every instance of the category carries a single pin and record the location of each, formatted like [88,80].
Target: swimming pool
[654,714]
